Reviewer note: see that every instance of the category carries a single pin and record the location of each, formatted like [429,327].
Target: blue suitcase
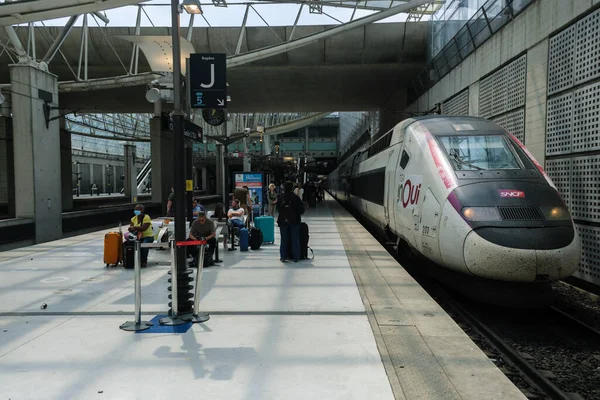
[267,226]
[244,239]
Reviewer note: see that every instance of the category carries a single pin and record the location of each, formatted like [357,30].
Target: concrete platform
[277,331]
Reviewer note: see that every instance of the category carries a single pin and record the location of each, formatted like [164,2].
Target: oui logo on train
[508,193]
[411,189]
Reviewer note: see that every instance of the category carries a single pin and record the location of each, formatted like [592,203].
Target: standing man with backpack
[291,209]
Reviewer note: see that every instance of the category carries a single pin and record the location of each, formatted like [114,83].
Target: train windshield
[471,153]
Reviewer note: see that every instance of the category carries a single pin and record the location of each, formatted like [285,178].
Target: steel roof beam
[296,22]
[266,52]
[60,39]
[12,35]
[242,30]
[39,10]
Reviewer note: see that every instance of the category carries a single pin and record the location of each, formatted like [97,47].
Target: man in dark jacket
[290,210]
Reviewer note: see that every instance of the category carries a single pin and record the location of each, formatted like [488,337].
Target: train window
[404,159]
[470,153]
[380,144]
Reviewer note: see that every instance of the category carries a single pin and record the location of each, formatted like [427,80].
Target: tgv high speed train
[466,194]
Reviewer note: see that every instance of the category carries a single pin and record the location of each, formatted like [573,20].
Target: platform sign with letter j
[208,80]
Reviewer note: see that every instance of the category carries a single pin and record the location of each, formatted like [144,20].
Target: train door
[390,184]
[430,219]
[409,178]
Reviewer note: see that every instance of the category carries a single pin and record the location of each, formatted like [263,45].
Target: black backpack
[287,214]
[256,238]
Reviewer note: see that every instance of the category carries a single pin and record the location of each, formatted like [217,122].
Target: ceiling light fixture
[192,6]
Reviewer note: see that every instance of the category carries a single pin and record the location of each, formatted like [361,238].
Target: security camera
[247,130]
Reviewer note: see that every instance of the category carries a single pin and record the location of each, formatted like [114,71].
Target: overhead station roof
[357,69]
[13,12]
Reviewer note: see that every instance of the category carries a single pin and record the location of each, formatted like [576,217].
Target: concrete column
[7,175]
[66,167]
[109,172]
[130,173]
[88,190]
[102,189]
[7,172]
[535,100]
[38,189]
[161,149]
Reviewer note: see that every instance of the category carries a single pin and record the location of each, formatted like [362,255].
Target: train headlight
[555,213]
[481,214]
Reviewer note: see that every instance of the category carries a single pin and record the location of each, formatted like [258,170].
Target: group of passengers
[289,205]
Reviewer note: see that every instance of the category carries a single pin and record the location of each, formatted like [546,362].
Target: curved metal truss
[106,133]
[11,44]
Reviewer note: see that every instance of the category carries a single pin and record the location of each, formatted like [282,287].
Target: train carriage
[466,194]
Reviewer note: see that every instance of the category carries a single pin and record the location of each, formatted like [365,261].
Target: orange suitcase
[113,248]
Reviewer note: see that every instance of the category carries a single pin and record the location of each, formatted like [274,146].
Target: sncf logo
[511,193]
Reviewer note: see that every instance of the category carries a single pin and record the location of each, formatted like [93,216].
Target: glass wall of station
[448,20]
[453,38]
[355,124]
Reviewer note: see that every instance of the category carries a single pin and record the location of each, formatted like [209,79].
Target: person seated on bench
[236,214]
[203,229]
[196,208]
[141,226]
[219,214]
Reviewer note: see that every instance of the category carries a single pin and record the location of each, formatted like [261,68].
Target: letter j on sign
[208,80]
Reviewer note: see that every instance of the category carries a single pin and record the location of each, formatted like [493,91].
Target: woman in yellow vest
[141,225]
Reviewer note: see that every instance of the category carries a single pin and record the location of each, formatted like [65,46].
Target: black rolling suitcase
[304,236]
[129,254]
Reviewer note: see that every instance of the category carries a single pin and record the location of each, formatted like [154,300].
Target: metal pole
[78,180]
[178,152]
[198,316]
[138,282]
[189,152]
[175,318]
[225,170]
[138,324]
[174,293]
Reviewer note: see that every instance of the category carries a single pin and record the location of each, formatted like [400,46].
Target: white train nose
[491,261]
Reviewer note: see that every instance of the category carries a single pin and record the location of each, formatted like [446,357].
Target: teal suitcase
[266,224]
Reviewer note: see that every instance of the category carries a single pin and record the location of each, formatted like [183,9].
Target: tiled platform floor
[277,331]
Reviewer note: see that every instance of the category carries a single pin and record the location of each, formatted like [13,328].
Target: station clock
[213,116]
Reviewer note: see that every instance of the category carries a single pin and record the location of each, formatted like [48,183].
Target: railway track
[528,371]
[558,364]
[548,353]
